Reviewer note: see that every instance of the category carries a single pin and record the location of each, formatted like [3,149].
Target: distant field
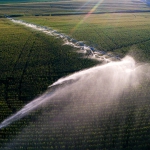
[72,7]
[117,32]
[118,26]
[26,1]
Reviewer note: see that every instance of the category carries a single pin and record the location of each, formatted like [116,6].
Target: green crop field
[117,32]
[26,53]
[53,7]
[30,61]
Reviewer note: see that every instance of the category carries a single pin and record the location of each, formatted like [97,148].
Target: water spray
[89,51]
[112,78]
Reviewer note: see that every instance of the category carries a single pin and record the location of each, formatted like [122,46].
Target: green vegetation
[26,1]
[117,32]
[30,61]
[72,7]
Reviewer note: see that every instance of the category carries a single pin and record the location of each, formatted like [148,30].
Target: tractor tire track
[23,72]
[129,45]
[14,82]
[20,55]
